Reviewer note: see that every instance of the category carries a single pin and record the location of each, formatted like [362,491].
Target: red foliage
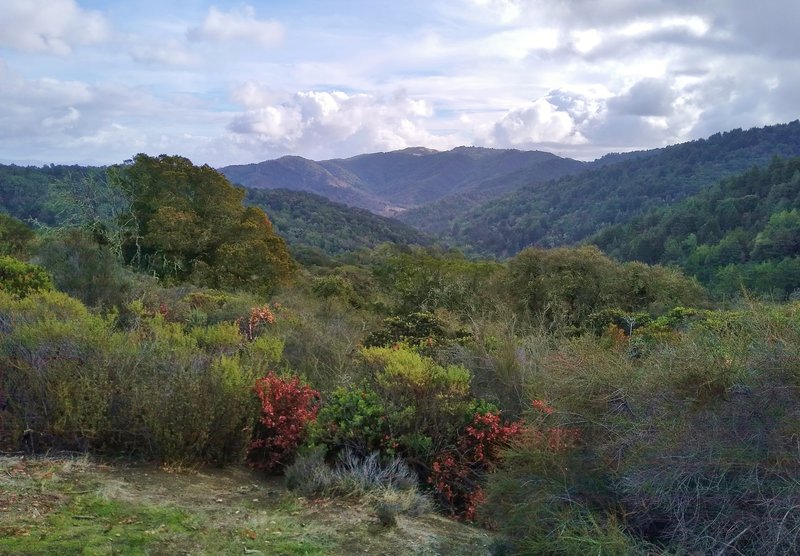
[287,406]
[542,406]
[456,474]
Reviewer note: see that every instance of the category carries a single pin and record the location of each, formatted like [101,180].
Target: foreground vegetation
[566,402]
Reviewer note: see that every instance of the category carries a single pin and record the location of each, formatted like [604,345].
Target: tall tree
[192,225]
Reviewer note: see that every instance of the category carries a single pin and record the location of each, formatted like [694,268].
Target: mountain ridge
[389,183]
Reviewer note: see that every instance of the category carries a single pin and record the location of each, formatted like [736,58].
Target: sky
[96,82]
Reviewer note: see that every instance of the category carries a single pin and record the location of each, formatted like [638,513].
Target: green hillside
[569,210]
[743,231]
[306,220]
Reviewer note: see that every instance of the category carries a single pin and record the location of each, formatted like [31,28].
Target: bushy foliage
[321,339]
[388,482]
[353,418]
[16,238]
[426,403]
[423,280]
[424,330]
[684,444]
[21,279]
[287,408]
[73,380]
[565,287]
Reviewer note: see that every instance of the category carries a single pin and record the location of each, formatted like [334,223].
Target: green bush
[21,279]
[687,444]
[16,238]
[426,403]
[352,418]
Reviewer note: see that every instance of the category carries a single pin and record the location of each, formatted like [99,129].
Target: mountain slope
[569,210]
[308,220]
[389,183]
[300,174]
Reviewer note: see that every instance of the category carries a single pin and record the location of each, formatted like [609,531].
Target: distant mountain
[569,210]
[309,221]
[392,182]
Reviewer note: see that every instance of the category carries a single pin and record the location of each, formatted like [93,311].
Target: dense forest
[742,232]
[567,401]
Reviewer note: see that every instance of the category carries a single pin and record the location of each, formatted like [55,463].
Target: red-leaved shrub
[287,407]
[457,474]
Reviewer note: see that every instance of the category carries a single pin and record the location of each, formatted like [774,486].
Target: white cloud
[237,25]
[505,11]
[334,123]
[536,123]
[254,95]
[66,119]
[49,26]
[171,52]
[648,97]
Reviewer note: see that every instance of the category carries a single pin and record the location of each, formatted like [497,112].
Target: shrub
[260,318]
[86,270]
[15,237]
[427,404]
[287,407]
[457,474]
[355,419]
[414,329]
[357,474]
[72,380]
[21,279]
[309,475]
[320,339]
[387,482]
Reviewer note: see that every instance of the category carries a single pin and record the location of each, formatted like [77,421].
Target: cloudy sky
[91,81]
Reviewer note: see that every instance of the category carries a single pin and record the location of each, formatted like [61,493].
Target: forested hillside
[307,220]
[569,210]
[742,232]
[26,192]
